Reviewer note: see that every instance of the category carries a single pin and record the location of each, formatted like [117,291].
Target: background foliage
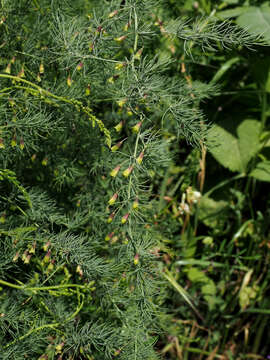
[134,149]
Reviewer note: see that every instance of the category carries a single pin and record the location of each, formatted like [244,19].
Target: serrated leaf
[256,20]
[234,151]
[262,171]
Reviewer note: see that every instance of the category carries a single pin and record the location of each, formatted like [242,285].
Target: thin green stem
[37,4]
[39,88]
[223,183]
[129,186]
[5,90]
[135,46]
[163,190]
[136,33]
[44,288]
[52,326]
[258,311]
[206,263]
[14,286]
[134,157]
[133,67]
[136,347]
[166,273]
[53,287]
[78,104]
[263,110]
[259,333]
[138,135]
[52,274]
[78,309]
[199,351]
[101,59]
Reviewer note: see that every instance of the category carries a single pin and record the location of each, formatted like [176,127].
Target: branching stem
[44,288]
[77,104]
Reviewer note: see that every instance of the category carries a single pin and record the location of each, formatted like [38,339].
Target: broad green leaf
[262,171]
[234,151]
[226,151]
[256,20]
[227,14]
